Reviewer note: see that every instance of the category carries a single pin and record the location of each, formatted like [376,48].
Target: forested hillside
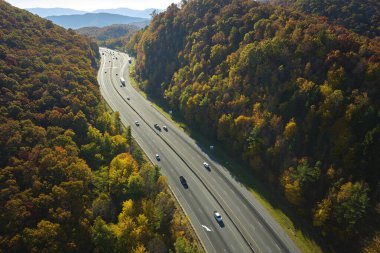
[71,179]
[361,16]
[294,97]
[114,36]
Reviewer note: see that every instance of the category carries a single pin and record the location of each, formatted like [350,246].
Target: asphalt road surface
[247,226]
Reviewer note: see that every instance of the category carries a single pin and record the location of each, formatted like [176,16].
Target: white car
[158,157]
[207,166]
[165,128]
[217,216]
[137,123]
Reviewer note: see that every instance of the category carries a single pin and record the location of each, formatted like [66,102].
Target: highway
[247,226]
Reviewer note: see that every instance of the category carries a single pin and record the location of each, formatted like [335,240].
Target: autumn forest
[71,177]
[288,88]
[293,96]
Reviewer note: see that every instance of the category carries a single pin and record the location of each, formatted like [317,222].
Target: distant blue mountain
[129,12]
[94,19]
[44,12]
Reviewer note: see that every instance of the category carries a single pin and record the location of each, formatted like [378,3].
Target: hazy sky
[90,5]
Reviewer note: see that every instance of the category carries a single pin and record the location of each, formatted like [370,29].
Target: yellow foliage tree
[290,129]
[140,249]
[225,125]
[292,188]
[121,167]
[322,213]
[293,193]
[128,210]
[122,230]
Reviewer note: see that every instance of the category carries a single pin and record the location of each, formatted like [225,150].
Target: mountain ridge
[95,19]
[45,12]
[146,13]
[113,36]
[360,16]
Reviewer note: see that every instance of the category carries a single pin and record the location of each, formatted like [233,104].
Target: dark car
[218,218]
[157,127]
[165,128]
[183,182]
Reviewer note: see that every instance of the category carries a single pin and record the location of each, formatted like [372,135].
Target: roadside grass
[300,231]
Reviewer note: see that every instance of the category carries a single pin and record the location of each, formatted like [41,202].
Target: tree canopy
[294,96]
[68,179]
[360,16]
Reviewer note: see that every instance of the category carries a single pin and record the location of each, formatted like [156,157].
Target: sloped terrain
[295,97]
[71,178]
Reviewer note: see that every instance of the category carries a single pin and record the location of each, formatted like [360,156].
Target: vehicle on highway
[206,165]
[130,61]
[165,128]
[157,127]
[158,157]
[217,216]
[116,74]
[218,219]
[183,182]
[128,98]
[137,123]
[122,81]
